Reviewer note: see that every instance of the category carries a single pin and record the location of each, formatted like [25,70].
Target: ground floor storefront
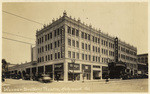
[66,71]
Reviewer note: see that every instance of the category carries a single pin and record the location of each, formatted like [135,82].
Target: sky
[128,21]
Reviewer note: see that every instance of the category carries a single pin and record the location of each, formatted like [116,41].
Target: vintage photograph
[74,47]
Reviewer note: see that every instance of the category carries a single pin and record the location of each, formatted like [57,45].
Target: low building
[142,63]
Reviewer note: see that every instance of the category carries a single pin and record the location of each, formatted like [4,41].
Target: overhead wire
[17,35]
[18,41]
[22,17]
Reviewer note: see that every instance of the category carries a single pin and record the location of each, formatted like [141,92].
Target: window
[69,42]
[106,43]
[102,42]
[85,36]
[48,36]
[82,45]
[98,40]
[89,57]
[86,46]
[51,56]
[45,37]
[55,44]
[73,54]
[98,59]
[38,50]
[77,44]
[51,46]
[93,58]
[89,47]
[77,55]
[55,33]
[82,34]
[55,55]
[113,46]
[69,30]
[38,60]
[69,54]
[82,56]
[96,49]
[102,51]
[58,55]
[58,31]
[93,48]
[42,59]
[85,57]
[46,58]
[89,37]
[99,50]
[51,35]
[77,32]
[42,39]
[73,43]
[38,41]
[58,43]
[93,38]
[48,47]
[42,49]
[45,47]
[73,31]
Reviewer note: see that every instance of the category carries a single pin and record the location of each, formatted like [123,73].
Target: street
[134,85]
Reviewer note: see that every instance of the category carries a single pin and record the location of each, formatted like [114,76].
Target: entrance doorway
[96,75]
[76,76]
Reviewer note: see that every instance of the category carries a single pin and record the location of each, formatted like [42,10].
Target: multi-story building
[142,63]
[71,49]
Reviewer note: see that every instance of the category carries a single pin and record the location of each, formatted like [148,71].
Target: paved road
[134,85]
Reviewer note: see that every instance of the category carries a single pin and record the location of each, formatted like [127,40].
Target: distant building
[71,49]
[143,63]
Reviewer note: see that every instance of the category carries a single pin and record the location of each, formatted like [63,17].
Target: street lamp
[73,62]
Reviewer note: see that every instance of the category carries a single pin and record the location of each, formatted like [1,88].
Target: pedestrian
[57,77]
[106,81]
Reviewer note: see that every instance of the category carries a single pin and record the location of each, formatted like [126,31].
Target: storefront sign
[86,68]
[116,49]
[62,42]
[59,67]
[96,66]
[72,66]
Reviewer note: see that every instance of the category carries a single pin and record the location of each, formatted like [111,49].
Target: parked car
[45,78]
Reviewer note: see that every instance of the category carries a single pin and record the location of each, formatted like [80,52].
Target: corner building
[69,48]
